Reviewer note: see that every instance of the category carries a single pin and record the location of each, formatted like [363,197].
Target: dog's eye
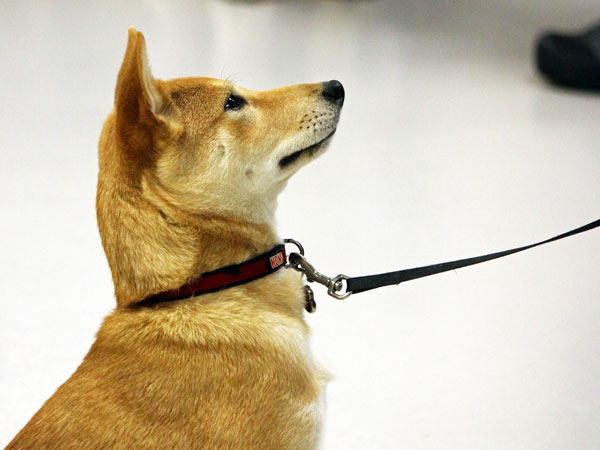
[234,102]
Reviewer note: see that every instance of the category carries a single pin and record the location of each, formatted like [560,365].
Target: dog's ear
[141,104]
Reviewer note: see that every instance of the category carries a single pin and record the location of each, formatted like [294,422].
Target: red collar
[225,277]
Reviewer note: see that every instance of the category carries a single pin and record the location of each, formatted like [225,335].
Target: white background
[449,146]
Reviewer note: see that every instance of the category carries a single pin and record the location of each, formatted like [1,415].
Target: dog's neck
[152,246]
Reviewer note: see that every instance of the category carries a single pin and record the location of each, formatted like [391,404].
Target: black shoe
[571,60]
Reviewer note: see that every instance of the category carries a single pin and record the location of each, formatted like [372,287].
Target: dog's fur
[185,187]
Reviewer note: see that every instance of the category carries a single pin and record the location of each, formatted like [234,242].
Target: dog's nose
[334,92]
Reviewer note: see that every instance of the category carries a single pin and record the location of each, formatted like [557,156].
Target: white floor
[449,146]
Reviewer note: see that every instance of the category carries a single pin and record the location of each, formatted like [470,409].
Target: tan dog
[190,170]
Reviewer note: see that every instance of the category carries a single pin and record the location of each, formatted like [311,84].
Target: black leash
[343,286]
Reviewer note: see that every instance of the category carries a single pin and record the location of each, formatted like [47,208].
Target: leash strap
[342,286]
[366,283]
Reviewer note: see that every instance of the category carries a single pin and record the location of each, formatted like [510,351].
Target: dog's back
[223,374]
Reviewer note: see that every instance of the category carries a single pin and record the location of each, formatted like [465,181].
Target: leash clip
[336,286]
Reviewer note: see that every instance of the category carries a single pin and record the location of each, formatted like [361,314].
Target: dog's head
[209,146]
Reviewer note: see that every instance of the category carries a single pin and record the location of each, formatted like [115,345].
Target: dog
[189,174]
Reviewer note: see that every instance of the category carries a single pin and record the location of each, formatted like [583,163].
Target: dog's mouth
[290,159]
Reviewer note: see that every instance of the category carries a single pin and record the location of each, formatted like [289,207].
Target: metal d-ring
[296,243]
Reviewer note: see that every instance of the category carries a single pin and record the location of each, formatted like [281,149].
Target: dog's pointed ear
[141,104]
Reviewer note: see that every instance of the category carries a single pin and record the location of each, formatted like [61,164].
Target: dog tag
[309,300]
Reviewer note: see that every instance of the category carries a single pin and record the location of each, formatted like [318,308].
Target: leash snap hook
[336,287]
